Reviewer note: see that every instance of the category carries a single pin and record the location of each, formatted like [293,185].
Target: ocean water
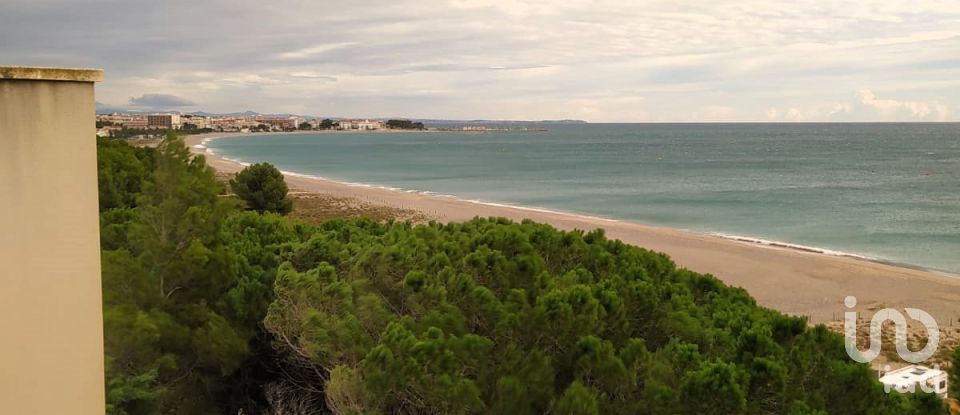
[885,191]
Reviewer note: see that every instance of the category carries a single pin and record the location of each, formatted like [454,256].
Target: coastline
[794,279]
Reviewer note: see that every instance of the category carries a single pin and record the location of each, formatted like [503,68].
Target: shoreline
[731,237]
[795,279]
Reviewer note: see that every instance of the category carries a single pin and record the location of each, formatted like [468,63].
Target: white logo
[876,323]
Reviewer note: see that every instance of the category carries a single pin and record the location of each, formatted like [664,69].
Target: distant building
[360,125]
[195,120]
[278,124]
[135,122]
[369,125]
[164,121]
[125,120]
[916,378]
[230,123]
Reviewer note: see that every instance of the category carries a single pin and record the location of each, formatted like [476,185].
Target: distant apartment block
[136,122]
[195,120]
[230,123]
[164,121]
[279,123]
[124,120]
[360,125]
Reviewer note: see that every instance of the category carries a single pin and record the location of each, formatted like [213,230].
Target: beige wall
[51,329]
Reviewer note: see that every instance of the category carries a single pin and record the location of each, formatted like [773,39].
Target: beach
[793,280]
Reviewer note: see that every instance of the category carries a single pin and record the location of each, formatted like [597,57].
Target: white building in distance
[360,125]
[916,378]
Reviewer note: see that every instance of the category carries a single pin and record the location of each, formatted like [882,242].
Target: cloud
[517,68]
[608,109]
[914,109]
[715,113]
[866,107]
[837,111]
[312,75]
[313,51]
[159,101]
[839,108]
[688,59]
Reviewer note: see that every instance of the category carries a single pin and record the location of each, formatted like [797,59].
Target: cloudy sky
[602,60]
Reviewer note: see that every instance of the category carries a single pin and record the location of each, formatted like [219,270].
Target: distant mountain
[104,109]
[231,114]
[565,122]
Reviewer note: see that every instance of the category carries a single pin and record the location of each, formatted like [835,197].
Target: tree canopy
[405,125]
[262,188]
[212,309]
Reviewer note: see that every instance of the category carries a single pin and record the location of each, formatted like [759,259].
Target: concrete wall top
[33,73]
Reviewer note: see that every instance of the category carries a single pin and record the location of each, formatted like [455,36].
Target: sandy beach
[790,280]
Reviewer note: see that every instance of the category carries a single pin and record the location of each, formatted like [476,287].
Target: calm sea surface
[887,191]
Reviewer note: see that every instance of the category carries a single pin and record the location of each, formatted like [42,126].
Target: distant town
[127,125]
[132,125]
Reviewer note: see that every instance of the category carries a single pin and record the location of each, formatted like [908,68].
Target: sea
[884,191]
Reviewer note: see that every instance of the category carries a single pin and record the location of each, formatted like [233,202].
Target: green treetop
[262,188]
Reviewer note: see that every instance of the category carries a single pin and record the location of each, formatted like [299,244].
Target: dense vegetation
[125,132]
[405,125]
[213,309]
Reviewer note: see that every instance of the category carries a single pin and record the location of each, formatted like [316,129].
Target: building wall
[51,328]
[159,121]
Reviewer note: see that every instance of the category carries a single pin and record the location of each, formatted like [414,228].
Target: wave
[798,247]
[830,252]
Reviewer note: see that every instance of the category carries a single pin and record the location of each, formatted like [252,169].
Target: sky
[600,61]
